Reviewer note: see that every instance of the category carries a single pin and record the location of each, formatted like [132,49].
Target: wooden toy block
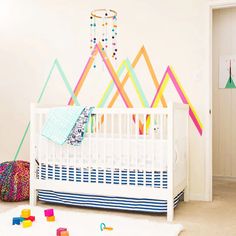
[26,223]
[16,221]
[49,212]
[50,218]
[64,233]
[25,213]
[59,230]
[32,218]
[21,219]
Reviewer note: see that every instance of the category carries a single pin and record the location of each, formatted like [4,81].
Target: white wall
[34,33]
[224,100]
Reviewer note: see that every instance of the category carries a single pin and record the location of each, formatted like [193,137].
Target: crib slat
[144,143]
[45,148]
[40,145]
[112,156]
[60,161]
[161,131]
[152,149]
[136,157]
[74,163]
[84,160]
[67,162]
[128,148]
[104,147]
[53,161]
[120,147]
[90,129]
[97,147]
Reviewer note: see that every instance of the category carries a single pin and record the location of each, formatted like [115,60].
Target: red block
[31,218]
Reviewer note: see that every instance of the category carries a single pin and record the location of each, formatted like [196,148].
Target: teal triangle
[230,83]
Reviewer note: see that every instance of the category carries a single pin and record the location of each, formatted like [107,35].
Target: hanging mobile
[104,29]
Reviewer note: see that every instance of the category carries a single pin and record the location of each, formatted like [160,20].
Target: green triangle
[230,83]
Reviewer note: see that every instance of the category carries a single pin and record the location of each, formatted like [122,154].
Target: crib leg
[170,210]
[33,197]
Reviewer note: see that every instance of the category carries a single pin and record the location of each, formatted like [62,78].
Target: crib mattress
[107,202]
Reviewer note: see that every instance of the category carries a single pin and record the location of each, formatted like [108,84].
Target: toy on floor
[26,223]
[104,227]
[25,213]
[49,213]
[62,232]
[25,218]
[59,230]
[50,218]
[16,220]
[32,218]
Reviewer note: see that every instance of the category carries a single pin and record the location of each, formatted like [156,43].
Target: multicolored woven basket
[14,181]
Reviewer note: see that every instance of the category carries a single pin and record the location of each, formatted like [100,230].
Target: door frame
[212,5]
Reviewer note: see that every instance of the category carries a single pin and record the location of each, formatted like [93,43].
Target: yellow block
[51,218]
[25,213]
[26,223]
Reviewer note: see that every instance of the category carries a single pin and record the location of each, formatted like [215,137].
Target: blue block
[16,220]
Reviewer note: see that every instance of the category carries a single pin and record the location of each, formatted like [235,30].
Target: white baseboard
[197,197]
[225,178]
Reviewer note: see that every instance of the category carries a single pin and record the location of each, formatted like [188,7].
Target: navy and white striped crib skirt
[107,202]
[124,177]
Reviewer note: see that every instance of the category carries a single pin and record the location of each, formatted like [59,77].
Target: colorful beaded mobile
[106,20]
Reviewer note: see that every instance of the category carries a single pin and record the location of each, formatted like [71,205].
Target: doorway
[223,95]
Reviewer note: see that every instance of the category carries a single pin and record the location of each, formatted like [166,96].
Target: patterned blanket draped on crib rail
[67,125]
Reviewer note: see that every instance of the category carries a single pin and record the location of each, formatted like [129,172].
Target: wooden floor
[198,218]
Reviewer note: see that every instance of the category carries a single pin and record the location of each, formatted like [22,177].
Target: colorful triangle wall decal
[98,48]
[142,52]
[56,65]
[170,74]
[135,82]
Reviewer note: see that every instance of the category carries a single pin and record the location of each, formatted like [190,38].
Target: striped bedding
[124,177]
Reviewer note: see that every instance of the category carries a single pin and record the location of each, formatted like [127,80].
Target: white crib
[132,155]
